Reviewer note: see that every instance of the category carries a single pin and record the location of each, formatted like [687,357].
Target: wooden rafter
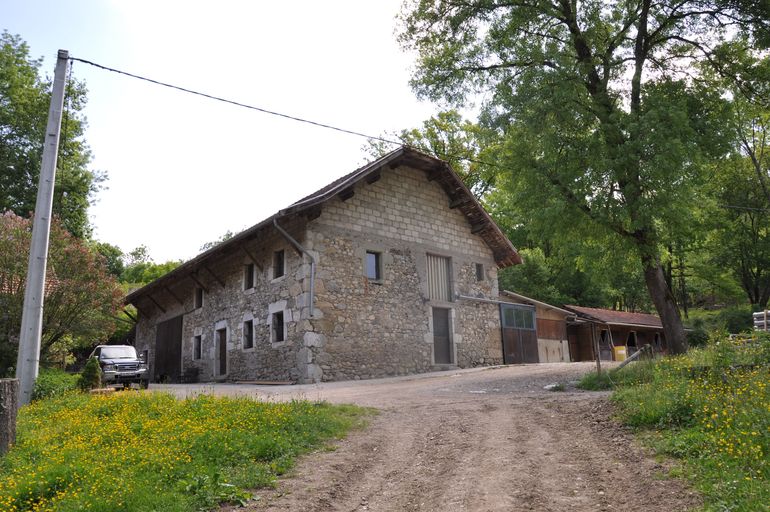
[252,258]
[194,277]
[176,297]
[162,309]
[219,280]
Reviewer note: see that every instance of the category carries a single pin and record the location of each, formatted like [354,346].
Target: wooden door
[520,346]
[222,350]
[168,350]
[442,350]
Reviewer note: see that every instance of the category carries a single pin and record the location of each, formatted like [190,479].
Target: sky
[182,170]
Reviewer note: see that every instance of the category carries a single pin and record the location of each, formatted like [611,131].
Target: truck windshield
[118,353]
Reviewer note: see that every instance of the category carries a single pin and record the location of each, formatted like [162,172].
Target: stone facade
[359,327]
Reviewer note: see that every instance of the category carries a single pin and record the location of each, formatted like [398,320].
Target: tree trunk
[665,304]
[9,395]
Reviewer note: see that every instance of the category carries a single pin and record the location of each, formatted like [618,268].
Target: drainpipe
[298,247]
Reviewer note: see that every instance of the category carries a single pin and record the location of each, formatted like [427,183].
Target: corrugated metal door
[168,350]
[439,282]
[442,352]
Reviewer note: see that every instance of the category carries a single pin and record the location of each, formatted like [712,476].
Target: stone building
[389,270]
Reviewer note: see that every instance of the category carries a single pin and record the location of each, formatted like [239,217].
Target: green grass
[134,451]
[633,373]
[52,382]
[711,409]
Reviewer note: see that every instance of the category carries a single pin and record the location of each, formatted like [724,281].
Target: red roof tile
[609,316]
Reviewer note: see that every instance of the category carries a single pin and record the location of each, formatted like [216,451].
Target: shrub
[91,378]
[53,382]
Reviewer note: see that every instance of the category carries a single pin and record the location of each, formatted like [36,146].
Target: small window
[479,272]
[278,326]
[519,317]
[248,334]
[278,264]
[198,297]
[197,348]
[248,276]
[374,265]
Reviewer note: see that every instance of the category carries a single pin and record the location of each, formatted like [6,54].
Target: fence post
[9,395]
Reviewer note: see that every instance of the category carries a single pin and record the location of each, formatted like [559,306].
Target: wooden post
[597,349]
[9,394]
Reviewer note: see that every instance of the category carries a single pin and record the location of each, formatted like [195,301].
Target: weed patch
[134,451]
[711,409]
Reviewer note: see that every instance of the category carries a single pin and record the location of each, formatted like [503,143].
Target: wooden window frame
[249,276]
[278,328]
[279,263]
[197,351]
[248,334]
[198,298]
[377,278]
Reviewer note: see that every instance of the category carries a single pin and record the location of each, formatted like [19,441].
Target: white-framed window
[279,263]
[197,351]
[248,334]
[198,298]
[373,265]
[249,276]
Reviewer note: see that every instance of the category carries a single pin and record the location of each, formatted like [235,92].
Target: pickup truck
[120,366]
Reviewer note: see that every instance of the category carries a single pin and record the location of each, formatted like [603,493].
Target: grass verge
[135,451]
[711,409]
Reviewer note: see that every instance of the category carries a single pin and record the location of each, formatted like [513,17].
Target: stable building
[389,270]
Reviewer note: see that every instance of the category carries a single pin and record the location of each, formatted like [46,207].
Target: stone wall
[230,306]
[360,328]
[372,329]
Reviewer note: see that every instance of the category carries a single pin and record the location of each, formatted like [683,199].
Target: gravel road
[471,440]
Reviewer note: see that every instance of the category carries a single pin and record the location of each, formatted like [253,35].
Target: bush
[53,382]
[91,378]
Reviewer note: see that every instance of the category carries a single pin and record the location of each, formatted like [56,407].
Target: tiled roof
[609,316]
[480,222]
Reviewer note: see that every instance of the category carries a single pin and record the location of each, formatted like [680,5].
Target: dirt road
[479,440]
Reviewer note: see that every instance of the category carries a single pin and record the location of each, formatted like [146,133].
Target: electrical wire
[236,103]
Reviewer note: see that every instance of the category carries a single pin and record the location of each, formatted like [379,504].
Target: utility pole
[32,315]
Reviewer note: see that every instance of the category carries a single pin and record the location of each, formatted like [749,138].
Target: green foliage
[711,408]
[91,378]
[600,129]
[24,104]
[139,269]
[632,374]
[464,145]
[733,319]
[210,245]
[53,382]
[133,451]
[113,257]
[81,296]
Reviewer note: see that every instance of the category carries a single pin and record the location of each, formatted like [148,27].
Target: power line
[236,103]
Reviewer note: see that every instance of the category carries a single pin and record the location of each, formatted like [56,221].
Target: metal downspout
[298,247]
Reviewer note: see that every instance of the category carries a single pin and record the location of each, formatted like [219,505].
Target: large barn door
[168,350]
[519,334]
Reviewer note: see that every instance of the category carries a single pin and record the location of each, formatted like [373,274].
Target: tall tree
[602,118]
[81,297]
[463,144]
[24,103]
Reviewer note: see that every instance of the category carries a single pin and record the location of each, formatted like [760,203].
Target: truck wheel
[144,384]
